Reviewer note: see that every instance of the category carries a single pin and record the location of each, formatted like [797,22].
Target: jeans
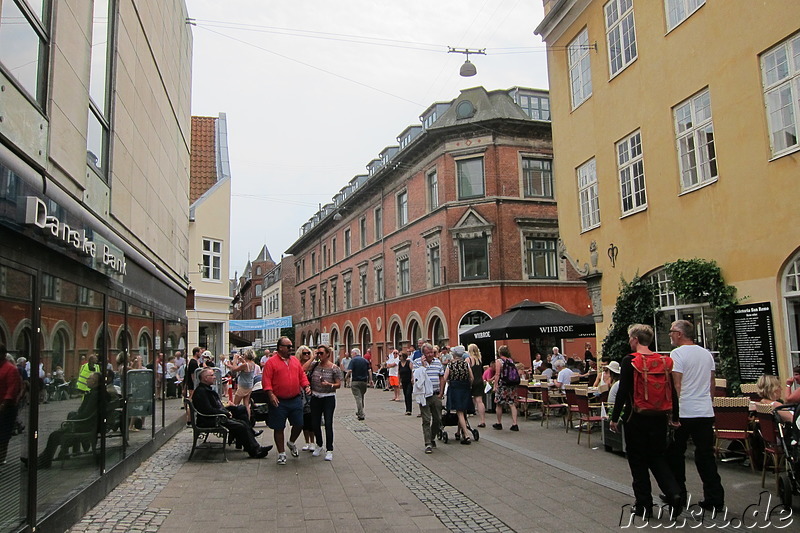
[359,389]
[323,407]
[431,418]
[408,388]
[701,430]
[646,446]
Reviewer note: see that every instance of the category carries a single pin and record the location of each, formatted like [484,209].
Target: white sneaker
[307,448]
[292,448]
[329,456]
[317,451]
[281,458]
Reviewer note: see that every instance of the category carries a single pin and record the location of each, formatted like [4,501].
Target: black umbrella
[528,320]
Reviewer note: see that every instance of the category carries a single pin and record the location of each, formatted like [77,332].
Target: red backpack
[652,384]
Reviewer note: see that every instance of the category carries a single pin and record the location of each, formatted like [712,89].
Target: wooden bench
[209,425]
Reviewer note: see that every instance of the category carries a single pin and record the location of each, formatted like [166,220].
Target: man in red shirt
[283,379]
[10,385]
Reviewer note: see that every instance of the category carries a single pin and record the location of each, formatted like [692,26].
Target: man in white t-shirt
[394,379]
[564,374]
[693,376]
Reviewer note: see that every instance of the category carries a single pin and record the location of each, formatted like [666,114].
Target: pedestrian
[325,379]
[693,375]
[458,376]
[344,365]
[10,386]
[505,391]
[478,385]
[304,355]
[428,387]
[360,378]
[645,434]
[394,379]
[188,378]
[405,371]
[283,379]
[245,367]
[87,369]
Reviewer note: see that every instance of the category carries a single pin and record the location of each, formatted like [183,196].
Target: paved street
[539,479]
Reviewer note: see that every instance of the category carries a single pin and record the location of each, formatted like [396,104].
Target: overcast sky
[315,89]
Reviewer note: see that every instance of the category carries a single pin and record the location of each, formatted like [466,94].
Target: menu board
[755,341]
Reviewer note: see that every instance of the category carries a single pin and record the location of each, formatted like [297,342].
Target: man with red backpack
[645,396]
[694,383]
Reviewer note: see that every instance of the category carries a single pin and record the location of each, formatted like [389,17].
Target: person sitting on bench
[206,401]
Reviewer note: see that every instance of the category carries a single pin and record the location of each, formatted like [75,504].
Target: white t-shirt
[695,363]
[564,377]
[395,361]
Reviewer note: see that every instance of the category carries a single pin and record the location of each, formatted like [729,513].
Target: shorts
[291,410]
[394,381]
[241,392]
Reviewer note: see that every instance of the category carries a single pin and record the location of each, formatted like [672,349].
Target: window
[302,304]
[362,230]
[435,262]
[259,290]
[680,10]
[99,74]
[780,69]
[536,107]
[297,270]
[537,177]
[470,178]
[621,35]
[695,136]
[303,267]
[378,223]
[402,209]
[433,189]
[362,286]
[631,174]
[587,194]
[404,277]
[212,260]
[347,245]
[259,312]
[333,249]
[541,258]
[313,262]
[671,308]
[258,271]
[474,258]
[333,297]
[323,300]
[580,73]
[324,257]
[23,48]
[379,286]
[348,294]
[313,304]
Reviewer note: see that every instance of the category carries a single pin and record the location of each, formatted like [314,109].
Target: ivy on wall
[701,281]
[636,304]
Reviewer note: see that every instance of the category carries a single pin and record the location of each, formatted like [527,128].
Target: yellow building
[675,137]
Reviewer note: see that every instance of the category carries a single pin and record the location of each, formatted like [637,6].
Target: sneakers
[317,451]
[408,413]
[292,448]
[497,426]
[281,458]
[329,456]
[514,428]
[428,450]
[308,448]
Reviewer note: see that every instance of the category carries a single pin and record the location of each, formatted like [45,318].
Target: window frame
[402,208]
[463,161]
[378,220]
[550,253]
[791,81]
[362,226]
[635,185]
[463,258]
[211,254]
[616,28]
[527,172]
[578,51]
[688,11]
[692,133]
[348,244]
[432,188]
[435,265]
[404,276]
[362,287]
[588,196]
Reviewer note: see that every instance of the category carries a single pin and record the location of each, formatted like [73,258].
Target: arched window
[365,338]
[414,332]
[437,334]
[348,340]
[59,350]
[397,336]
[791,295]
[23,345]
[144,348]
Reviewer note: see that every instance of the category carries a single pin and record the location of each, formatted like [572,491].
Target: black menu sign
[755,341]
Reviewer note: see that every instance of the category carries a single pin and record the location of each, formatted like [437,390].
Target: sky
[313,90]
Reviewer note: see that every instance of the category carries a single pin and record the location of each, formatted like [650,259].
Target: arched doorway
[349,341]
[365,338]
[476,318]
[414,333]
[396,335]
[436,332]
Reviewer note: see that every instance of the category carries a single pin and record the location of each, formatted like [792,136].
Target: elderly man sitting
[206,401]
[564,374]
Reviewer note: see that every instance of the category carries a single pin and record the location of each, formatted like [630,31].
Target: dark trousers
[408,388]
[243,435]
[323,407]
[646,445]
[701,431]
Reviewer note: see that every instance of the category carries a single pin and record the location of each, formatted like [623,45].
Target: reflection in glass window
[470,178]
[474,258]
[99,68]
[22,49]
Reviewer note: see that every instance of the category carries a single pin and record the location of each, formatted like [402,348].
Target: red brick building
[247,302]
[448,229]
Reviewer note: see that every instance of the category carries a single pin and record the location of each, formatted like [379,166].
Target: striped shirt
[435,369]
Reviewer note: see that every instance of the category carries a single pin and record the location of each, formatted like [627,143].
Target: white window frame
[348,242]
[679,10]
[435,265]
[549,252]
[630,166]
[404,275]
[780,73]
[580,68]
[378,219]
[402,208]
[697,157]
[212,260]
[620,35]
[588,198]
[432,182]
[362,225]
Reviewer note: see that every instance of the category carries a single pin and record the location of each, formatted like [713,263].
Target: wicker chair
[769,435]
[750,390]
[732,419]
[720,387]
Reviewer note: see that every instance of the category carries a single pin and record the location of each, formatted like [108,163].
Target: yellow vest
[84,375]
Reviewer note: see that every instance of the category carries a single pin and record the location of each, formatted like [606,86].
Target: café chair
[586,419]
[569,392]
[731,423]
[548,407]
[524,399]
[769,435]
[750,390]
[720,387]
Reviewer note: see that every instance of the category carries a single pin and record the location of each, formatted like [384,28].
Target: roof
[203,166]
[488,105]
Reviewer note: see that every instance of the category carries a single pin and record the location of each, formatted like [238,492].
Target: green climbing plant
[701,281]
[636,304]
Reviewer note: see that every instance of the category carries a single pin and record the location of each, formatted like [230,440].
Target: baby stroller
[451,419]
[789,481]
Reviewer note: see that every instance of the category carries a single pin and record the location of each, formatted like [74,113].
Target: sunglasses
[306,353]
[320,352]
[286,346]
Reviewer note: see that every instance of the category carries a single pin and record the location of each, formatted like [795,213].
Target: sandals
[466,441]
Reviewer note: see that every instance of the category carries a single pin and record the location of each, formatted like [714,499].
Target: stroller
[451,419]
[789,481]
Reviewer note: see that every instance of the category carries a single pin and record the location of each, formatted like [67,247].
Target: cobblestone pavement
[127,507]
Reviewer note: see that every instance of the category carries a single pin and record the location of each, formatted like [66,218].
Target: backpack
[509,376]
[652,384]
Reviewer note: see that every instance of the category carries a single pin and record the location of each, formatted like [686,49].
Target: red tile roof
[203,167]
